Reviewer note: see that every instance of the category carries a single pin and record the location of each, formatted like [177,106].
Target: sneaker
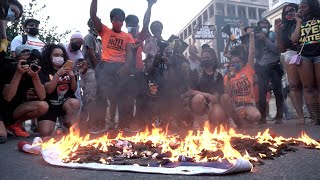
[18,131]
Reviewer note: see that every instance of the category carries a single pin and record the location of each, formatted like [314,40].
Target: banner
[222,38]
[205,31]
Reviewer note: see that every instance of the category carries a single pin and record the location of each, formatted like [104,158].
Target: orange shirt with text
[241,85]
[114,45]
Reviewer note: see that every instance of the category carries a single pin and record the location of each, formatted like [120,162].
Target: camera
[33,60]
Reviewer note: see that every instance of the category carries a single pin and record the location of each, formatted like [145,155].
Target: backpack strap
[24,38]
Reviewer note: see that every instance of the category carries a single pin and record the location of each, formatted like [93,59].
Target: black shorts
[53,113]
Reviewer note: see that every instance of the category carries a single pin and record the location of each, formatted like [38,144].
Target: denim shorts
[313,59]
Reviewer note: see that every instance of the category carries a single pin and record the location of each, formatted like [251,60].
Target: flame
[192,146]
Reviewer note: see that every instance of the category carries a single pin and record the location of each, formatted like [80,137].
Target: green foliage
[33,10]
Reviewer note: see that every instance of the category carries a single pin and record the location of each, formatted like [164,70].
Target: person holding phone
[238,99]
[307,35]
[60,84]
[284,28]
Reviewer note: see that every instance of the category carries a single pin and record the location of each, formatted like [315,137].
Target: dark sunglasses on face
[290,11]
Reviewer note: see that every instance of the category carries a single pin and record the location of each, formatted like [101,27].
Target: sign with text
[233,22]
[205,31]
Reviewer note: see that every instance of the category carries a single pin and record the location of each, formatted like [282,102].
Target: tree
[46,34]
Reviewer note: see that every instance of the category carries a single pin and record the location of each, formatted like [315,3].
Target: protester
[31,28]
[284,28]
[92,54]
[73,48]
[10,10]
[112,72]
[268,68]
[239,86]
[23,90]
[136,82]
[194,58]
[207,91]
[307,35]
[60,84]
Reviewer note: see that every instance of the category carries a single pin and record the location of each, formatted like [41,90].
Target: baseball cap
[21,48]
[30,21]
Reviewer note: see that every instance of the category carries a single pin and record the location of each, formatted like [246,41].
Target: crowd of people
[149,82]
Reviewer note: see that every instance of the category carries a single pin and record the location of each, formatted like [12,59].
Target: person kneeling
[238,100]
[23,90]
[206,92]
[60,85]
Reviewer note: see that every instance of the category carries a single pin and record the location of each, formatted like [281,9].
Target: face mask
[236,66]
[58,61]
[33,31]
[10,15]
[207,63]
[75,47]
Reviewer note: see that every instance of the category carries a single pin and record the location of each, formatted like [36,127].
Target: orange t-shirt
[114,45]
[242,85]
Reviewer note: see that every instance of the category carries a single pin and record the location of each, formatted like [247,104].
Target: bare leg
[3,131]
[317,69]
[71,107]
[198,106]
[295,89]
[30,110]
[307,75]
[217,116]
[46,127]
[252,114]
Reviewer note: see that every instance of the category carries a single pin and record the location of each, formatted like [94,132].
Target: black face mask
[33,31]
[75,47]
[207,63]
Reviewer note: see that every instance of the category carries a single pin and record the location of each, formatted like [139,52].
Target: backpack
[24,39]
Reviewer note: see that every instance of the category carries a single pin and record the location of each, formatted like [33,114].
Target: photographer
[23,90]
[268,68]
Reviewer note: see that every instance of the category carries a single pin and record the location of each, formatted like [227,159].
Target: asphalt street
[303,164]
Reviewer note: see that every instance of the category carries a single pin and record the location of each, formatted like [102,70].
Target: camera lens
[34,68]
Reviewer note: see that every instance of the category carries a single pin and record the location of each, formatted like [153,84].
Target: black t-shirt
[286,36]
[210,83]
[310,35]
[61,93]
[26,91]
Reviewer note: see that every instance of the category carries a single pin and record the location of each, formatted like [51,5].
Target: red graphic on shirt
[33,43]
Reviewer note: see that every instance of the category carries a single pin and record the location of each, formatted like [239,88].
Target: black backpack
[24,38]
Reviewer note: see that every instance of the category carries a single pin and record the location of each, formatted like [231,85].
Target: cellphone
[80,60]
[68,64]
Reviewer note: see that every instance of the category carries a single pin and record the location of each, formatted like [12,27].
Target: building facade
[223,11]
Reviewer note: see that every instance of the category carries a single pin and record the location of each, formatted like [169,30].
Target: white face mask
[58,61]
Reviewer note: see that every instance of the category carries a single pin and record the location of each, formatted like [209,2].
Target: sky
[74,14]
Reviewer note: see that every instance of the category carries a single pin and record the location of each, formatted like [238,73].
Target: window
[242,11]
[181,36]
[190,41]
[252,13]
[261,12]
[189,30]
[205,16]
[199,20]
[185,33]
[211,10]
[231,9]
[220,9]
[194,23]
